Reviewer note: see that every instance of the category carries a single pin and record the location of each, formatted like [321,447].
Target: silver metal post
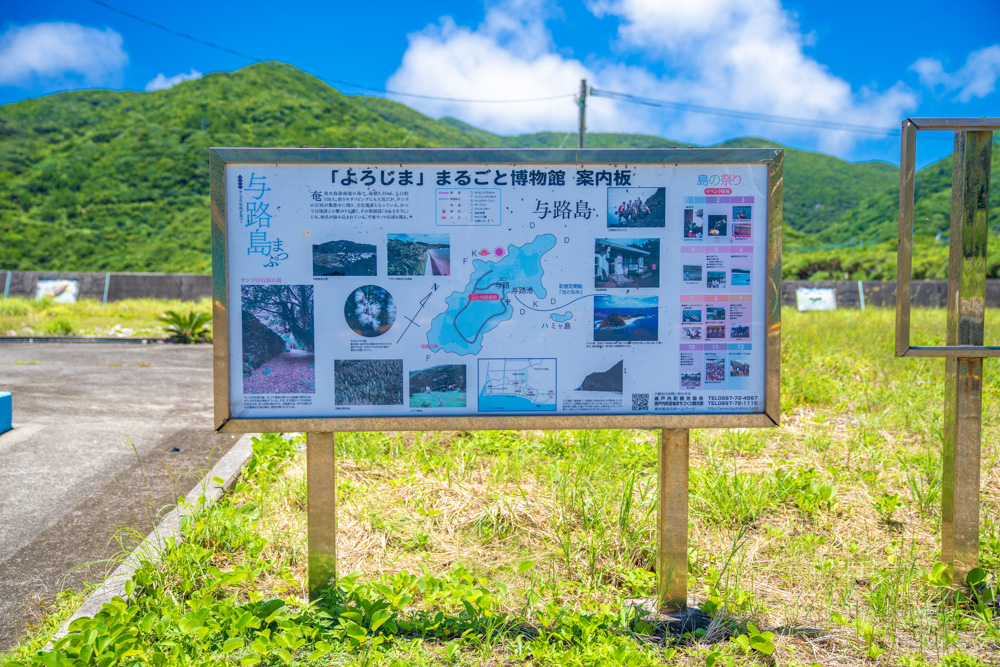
[672,521]
[583,110]
[964,375]
[321,488]
[107,284]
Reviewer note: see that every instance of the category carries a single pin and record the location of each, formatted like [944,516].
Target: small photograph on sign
[715,331]
[692,273]
[419,255]
[58,290]
[278,339]
[370,311]
[739,371]
[438,387]
[626,263]
[610,380]
[715,313]
[716,280]
[368,381]
[740,277]
[740,331]
[637,207]
[741,230]
[690,380]
[689,314]
[600,388]
[715,368]
[626,318]
[741,214]
[718,225]
[690,334]
[694,223]
[345,258]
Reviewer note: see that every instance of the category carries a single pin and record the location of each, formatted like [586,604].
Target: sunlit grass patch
[20,316]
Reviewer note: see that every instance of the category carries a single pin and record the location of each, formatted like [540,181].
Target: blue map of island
[563,317]
[482,305]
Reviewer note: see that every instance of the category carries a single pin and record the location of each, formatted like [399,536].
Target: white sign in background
[435,290]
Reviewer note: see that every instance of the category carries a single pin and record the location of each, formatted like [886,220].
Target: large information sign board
[359,289]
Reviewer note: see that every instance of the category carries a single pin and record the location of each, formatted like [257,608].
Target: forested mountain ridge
[118,180]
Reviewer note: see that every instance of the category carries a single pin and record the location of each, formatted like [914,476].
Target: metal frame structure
[964,350]
[904,252]
[672,516]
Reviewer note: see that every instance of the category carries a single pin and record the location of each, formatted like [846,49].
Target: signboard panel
[495,288]
[815,298]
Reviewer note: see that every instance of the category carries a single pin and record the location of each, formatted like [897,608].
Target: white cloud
[509,56]
[748,55]
[977,78]
[55,53]
[733,54]
[160,82]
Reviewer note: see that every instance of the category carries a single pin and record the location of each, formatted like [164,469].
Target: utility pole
[582,101]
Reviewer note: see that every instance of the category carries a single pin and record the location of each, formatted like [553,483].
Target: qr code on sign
[640,402]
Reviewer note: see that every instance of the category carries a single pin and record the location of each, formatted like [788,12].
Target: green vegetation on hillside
[118,180]
[106,180]
[876,217]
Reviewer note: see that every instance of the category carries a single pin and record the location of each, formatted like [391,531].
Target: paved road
[91,454]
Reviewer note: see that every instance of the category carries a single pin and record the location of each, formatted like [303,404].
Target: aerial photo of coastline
[626,318]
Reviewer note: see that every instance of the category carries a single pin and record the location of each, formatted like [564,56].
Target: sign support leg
[672,521]
[963,375]
[321,489]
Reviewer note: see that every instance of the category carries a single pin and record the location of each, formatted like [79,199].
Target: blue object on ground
[6,412]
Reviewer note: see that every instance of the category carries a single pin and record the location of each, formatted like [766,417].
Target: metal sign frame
[904,251]
[221,158]
[964,352]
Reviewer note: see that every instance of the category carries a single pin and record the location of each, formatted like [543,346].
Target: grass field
[812,543]
[131,318]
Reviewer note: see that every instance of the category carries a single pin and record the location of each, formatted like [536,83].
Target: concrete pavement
[91,460]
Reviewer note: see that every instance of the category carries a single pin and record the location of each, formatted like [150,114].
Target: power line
[340,82]
[614,95]
[742,115]
[174,32]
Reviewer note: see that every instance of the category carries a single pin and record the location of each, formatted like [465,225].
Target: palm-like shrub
[191,327]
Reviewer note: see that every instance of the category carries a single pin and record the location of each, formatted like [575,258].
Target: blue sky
[864,64]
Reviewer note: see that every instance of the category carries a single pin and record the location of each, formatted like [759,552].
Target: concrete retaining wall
[925,293]
[186,286]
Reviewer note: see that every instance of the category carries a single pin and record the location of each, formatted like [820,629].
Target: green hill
[109,180]
[872,225]
[105,180]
